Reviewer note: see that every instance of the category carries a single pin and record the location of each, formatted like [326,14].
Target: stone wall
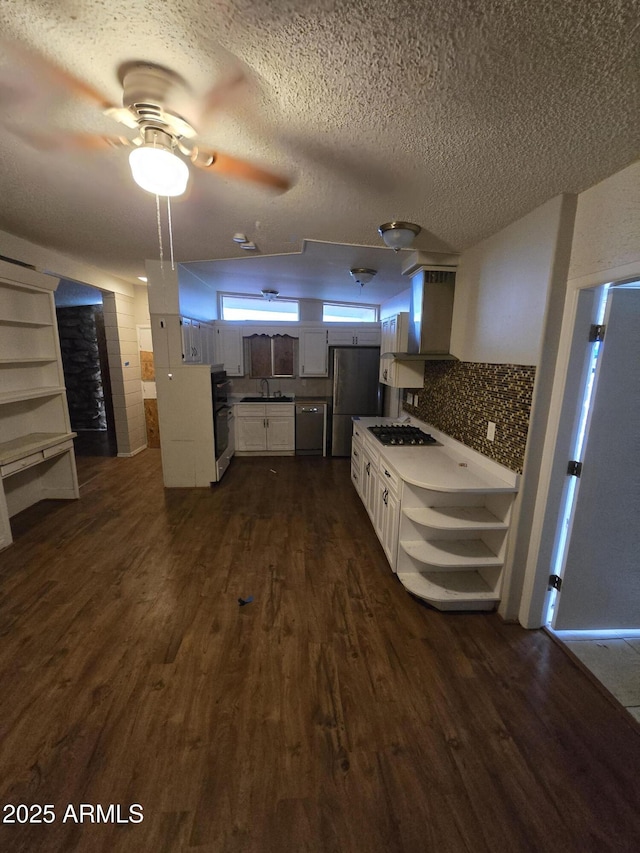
[81,362]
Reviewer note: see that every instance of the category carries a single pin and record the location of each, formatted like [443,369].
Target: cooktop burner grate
[401,435]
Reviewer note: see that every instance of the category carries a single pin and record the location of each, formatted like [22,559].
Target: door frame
[565,399]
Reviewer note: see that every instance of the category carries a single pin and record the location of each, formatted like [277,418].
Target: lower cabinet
[265,428]
[446,544]
[379,488]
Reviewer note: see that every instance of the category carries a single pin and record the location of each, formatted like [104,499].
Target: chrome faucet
[262,387]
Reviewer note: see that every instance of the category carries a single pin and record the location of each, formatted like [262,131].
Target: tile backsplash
[459,398]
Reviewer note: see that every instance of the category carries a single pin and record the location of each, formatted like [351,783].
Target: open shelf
[452,555]
[450,590]
[18,360]
[30,394]
[33,324]
[455,518]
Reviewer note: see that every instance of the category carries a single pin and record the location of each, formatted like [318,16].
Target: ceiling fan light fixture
[269,294]
[399,235]
[362,275]
[155,167]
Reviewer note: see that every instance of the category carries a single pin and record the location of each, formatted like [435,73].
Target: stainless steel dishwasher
[310,429]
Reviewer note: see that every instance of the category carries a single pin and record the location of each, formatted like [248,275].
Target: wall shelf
[37,459]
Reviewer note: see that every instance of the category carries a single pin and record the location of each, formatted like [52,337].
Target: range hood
[431,306]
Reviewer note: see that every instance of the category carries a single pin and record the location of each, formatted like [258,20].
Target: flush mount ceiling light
[155,167]
[270,294]
[362,275]
[399,235]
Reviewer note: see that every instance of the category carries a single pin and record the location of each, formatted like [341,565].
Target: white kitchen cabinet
[441,517]
[251,433]
[356,462]
[191,341]
[37,460]
[401,374]
[361,335]
[394,335]
[452,547]
[313,352]
[229,349]
[388,511]
[265,428]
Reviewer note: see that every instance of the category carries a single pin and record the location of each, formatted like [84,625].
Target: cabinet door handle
[368,468]
[386,473]
[355,452]
[385,495]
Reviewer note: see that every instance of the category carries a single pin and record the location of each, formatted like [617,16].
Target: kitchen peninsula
[441,511]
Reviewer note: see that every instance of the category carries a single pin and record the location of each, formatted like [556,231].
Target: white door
[601,575]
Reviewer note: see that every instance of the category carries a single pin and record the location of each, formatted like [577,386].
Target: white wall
[501,291]
[607,230]
[396,305]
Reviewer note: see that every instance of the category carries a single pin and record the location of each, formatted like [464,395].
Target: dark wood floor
[331,713]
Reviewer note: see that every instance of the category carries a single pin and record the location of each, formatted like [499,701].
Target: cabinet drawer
[251,409]
[282,410]
[389,476]
[48,452]
[19,464]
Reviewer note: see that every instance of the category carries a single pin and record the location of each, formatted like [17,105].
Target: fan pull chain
[170,231]
[159,230]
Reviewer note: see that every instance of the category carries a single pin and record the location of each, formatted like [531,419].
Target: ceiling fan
[160,107]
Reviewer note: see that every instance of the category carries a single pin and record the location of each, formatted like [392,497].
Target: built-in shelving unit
[452,546]
[36,451]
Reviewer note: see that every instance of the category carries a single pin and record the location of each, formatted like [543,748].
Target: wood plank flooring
[333,713]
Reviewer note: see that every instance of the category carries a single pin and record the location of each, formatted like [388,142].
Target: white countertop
[447,467]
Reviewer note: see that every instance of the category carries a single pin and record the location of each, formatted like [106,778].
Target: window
[256,308]
[335,312]
[271,355]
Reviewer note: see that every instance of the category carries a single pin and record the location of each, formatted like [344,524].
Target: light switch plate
[491,431]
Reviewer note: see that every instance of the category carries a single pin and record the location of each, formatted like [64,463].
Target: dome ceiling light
[399,235]
[269,294]
[362,275]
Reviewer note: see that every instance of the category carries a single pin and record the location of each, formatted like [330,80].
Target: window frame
[268,315]
[360,305]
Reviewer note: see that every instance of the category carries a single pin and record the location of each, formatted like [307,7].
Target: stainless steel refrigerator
[356,391]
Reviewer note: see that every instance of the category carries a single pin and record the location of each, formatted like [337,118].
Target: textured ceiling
[460,116]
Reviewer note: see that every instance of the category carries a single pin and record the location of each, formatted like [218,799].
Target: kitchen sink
[267,400]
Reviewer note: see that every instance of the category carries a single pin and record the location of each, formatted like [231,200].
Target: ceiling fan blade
[21,60]
[56,141]
[223,164]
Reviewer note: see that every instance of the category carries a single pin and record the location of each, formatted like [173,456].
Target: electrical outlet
[410,399]
[491,431]
[415,399]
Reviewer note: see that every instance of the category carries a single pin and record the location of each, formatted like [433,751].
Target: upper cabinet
[394,335]
[229,348]
[313,352]
[360,335]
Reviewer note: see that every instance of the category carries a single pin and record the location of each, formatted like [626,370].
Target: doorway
[595,612]
[596,564]
[85,363]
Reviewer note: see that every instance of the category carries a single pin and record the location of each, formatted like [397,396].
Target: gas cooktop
[401,435]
